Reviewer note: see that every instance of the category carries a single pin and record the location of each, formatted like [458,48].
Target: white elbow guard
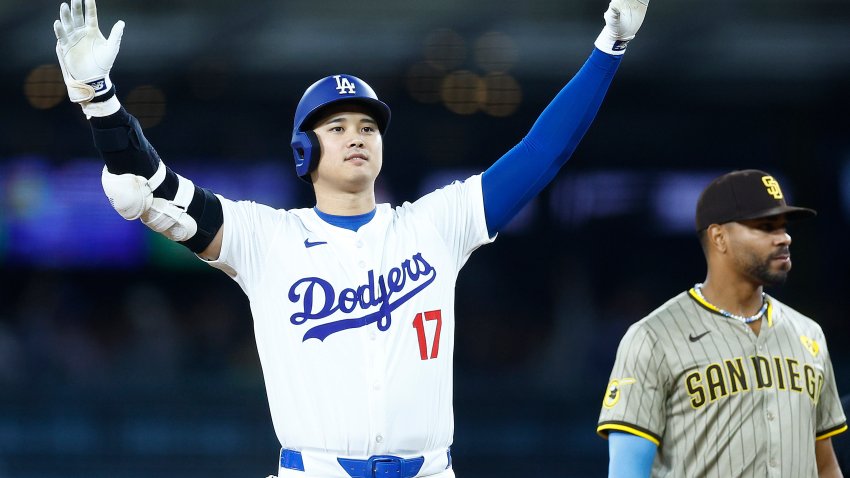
[129,194]
[132,196]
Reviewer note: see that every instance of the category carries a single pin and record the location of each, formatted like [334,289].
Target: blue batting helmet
[327,91]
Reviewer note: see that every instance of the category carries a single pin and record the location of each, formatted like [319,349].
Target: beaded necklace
[726,313]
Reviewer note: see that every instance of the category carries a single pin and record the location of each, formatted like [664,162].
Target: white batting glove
[85,56]
[622,20]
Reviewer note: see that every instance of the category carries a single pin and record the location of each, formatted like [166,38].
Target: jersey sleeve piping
[605,427]
[831,432]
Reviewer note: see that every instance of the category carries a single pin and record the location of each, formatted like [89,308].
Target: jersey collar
[352,223]
[711,308]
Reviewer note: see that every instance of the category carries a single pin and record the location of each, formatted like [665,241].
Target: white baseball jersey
[355,330]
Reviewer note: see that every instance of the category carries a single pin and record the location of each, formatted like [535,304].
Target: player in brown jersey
[724,380]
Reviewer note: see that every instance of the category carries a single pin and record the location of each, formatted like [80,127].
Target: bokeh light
[44,87]
[503,95]
[495,52]
[445,49]
[424,82]
[463,92]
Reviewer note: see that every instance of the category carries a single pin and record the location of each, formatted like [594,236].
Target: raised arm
[528,167]
[137,182]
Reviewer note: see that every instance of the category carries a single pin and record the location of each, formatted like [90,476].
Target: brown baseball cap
[741,195]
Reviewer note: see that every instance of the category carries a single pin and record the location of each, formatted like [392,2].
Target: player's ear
[716,237]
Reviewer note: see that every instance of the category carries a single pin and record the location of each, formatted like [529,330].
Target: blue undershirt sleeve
[630,456]
[521,173]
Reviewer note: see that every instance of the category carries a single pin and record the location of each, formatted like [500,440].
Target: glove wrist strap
[105,96]
[608,42]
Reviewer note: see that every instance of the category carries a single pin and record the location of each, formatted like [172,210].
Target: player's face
[760,248]
[352,150]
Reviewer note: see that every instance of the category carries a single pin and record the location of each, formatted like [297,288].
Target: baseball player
[724,380]
[352,301]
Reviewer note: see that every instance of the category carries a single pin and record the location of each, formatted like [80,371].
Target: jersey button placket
[769,404]
[774,446]
[378,390]
[360,253]
[378,394]
[374,371]
[376,344]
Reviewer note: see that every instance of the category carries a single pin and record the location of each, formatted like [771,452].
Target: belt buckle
[385,466]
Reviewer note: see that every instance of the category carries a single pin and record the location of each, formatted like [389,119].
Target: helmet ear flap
[307,151]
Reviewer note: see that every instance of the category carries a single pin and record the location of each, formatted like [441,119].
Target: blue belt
[378,466]
[382,466]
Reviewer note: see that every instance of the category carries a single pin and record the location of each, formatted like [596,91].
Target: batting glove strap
[108,95]
[85,56]
[622,21]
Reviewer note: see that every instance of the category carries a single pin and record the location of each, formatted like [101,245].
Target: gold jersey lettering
[794,375]
[780,373]
[715,381]
[764,377]
[737,375]
[693,383]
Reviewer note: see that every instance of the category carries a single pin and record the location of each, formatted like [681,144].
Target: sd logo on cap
[741,195]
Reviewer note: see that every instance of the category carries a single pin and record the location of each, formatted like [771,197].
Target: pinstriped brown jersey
[720,401]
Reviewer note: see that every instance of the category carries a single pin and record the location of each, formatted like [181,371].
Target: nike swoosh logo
[694,338]
[309,244]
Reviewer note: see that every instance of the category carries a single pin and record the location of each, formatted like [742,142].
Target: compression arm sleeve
[519,175]
[630,456]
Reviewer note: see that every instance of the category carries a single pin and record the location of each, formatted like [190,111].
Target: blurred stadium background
[123,356]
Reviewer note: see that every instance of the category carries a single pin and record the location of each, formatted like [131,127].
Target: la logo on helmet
[343,85]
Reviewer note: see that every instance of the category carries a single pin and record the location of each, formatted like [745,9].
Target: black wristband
[109,94]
